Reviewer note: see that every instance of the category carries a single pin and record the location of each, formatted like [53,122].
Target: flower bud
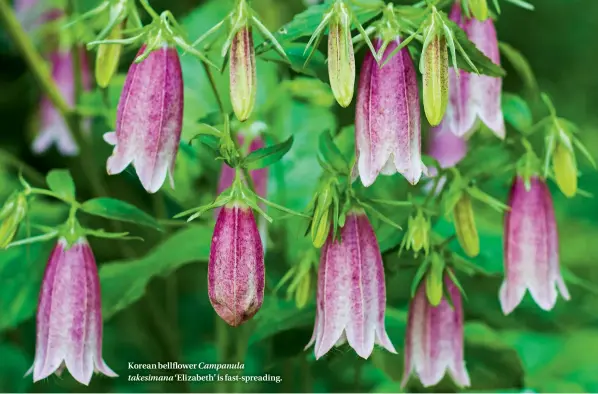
[236,267]
[320,226]
[302,293]
[531,248]
[107,58]
[243,80]
[149,119]
[435,79]
[351,291]
[467,233]
[418,235]
[69,315]
[479,9]
[341,58]
[434,287]
[565,169]
[11,215]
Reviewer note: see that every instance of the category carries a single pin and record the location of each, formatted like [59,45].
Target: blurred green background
[155,300]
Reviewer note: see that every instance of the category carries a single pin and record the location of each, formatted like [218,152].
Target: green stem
[222,340]
[213,86]
[26,169]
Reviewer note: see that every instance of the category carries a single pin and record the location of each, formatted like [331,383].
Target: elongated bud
[321,220]
[302,294]
[418,235]
[467,233]
[11,215]
[107,58]
[341,58]
[243,80]
[479,9]
[565,169]
[434,287]
[436,79]
[149,119]
[236,267]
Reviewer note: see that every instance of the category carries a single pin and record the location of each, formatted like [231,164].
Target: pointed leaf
[61,183]
[332,154]
[119,210]
[266,156]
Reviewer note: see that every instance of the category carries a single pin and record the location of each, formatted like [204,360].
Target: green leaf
[484,65]
[119,210]
[332,154]
[516,112]
[266,156]
[61,183]
[296,58]
[280,315]
[124,282]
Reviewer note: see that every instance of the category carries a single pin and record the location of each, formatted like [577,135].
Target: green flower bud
[479,9]
[435,79]
[565,169]
[243,79]
[107,58]
[320,226]
[418,236]
[302,293]
[11,215]
[341,58]
[467,233]
[434,285]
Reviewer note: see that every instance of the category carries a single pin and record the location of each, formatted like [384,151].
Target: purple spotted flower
[54,129]
[531,248]
[434,339]
[69,315]
[149,119]
[236,267]
[475,98]
[387,119]
[351,291]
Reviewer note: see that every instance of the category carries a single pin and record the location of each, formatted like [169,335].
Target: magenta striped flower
[474,97]
[351,291]
[54,129]
[387,119]
[236,267]
[434,339]
[149,119]
[69,315]
[531,248]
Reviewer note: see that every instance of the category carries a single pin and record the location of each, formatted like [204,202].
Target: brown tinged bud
[243,80]
[435,79]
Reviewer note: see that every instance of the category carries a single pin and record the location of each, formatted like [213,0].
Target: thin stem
[222,345]
[213,86]
[29,172]
[34,60]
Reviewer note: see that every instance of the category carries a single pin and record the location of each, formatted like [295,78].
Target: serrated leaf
[124,282]
[269,155]
[119,210]
[483,64]
[61,183]
[332,154]
[516,112]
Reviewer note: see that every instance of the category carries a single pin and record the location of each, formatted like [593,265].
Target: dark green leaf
[266,156]
[124,282]
[61,183]
[331,153]
[119,210]
[296,59]
[278,315]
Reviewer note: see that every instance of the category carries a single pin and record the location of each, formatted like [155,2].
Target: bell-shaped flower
[351,296]
[236,267]
[54,129]
[434,338]
[149,119]
[69,315]
[387,119]
[531,248]
[475,98]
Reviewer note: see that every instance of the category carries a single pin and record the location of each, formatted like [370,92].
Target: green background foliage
[154,292]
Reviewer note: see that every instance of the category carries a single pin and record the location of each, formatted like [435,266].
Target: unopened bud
[341,58]
[434,287]
[243,80]
[302,294]
[565,170]
[419,233]
[320,226]
[107,58]
[467,233]
[479,9]
[11,215]
[435,78]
